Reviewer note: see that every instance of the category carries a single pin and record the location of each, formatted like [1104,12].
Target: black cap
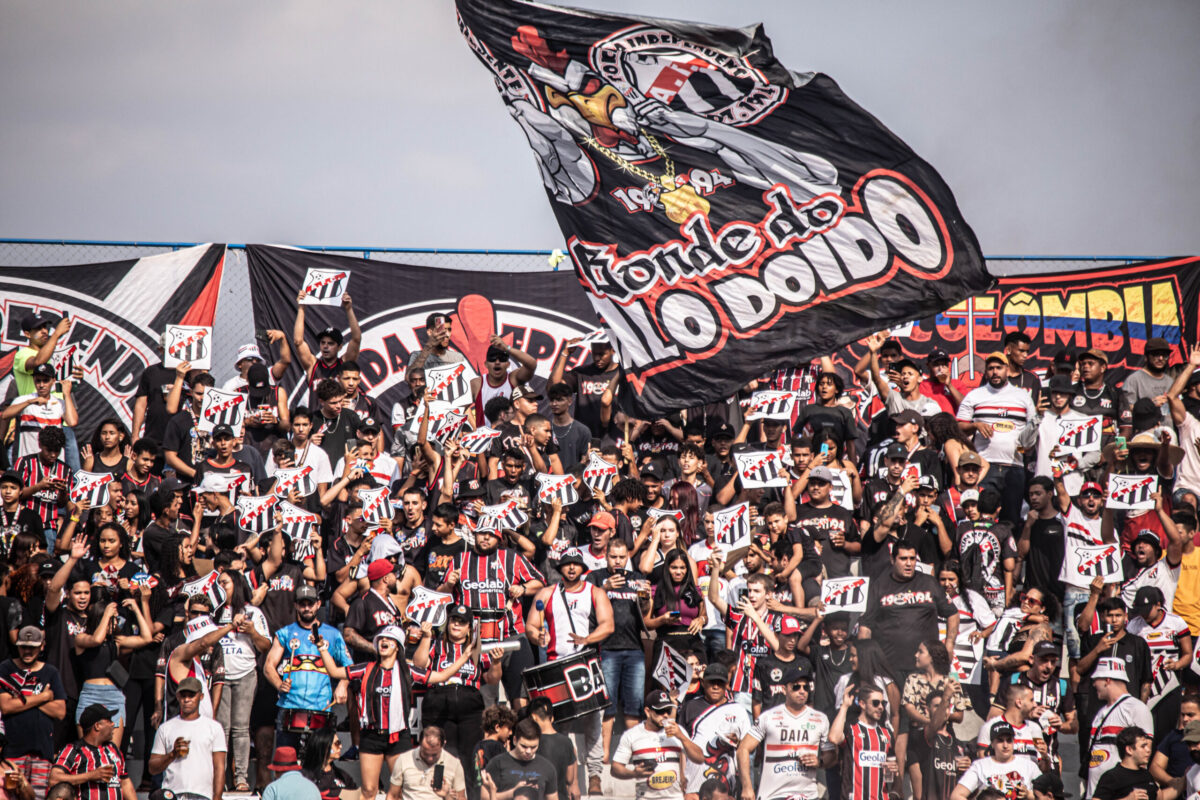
[9,476]
[1047,648]
[572,556]
[496,353]
[1064,358]
[43,371]
[1062,384]
[525,391]
[718,428]
[1156,345]
[48,566]
[170,484]
[35,321]
[258,378]
[793,674]
[908,416]
[658,700]
[464,490]
[1050,783]
[1146,598]
[223,431]
[896,450]
[901,363]
[460,611]
[370,427]
[716,672]
[161,794]
[937,355]
[1149,537]
[93,714]
[331,333]
[927,482]
[1002,730]
[652,471]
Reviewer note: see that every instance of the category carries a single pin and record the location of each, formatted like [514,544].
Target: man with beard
[869,764]
[567,618]
[372,612]
[947,392]
[403,412]
[796,739]
[1151,381]
[493,582]
[436,351]
[93,764]
[1003,420]
[1110,685]
[37,699]
[305,690]
[1054,706]
[497,380]
[588,382]
[716,724]
[621,656]
[1059,419]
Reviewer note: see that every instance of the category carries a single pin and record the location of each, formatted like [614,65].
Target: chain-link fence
[235,318]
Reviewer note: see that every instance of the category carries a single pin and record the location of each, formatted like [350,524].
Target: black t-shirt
[499,490]
[337,432]
[558,749]
[812,419]
[828,666]
[572,442]
[438,558]
[153,538]
[941,774]
[902,614]
[30,732]
[1107,402]
[369,615]
[178,436]
[1131,649]
[332,781]
[589,384]
[510,436]
[1119,781]
[277,607]
[663,448]
[768,678]
[819,524]
[23,520]
[627,617]
[508,772]
[1047,548]
[155,384]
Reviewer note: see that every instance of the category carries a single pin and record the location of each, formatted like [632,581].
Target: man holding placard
[329,341]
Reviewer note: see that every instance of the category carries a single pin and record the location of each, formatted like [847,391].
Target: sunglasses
[498,360]
[876,703]
[795,687]
[1033,601]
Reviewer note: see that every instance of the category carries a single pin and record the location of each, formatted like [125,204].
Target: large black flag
[726,216]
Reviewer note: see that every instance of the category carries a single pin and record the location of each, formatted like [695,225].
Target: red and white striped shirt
[867,748]
[45,502]
[749,644]
[483,582]
[80,757]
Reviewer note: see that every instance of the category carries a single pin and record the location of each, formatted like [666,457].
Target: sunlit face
[997,373]
[1116,618]
[1045,667]
[572,572]
[541,433]
[777,523]
[838,634]
[1145,554]
[688,463]
[1018,353]
[617,558]
[81,593]
[678,570]
[301,428]
[904,564]
[387,646]
[1039,498]
[1091,369]
[1002,747]
[801,456]
[756,593]
[1091,501]
[949,582]
[513,469]
[328,347]
[414,508]
[187,551]
[909,378]
[525,406]
[818,491]
[332,406]
[668,532]
[42,386]
[109,436]
[10,493]
[922,660]
[1189,710]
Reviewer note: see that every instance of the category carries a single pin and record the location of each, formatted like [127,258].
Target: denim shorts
[106,695]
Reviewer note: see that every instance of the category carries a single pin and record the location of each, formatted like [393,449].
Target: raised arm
[355,344]
[303,353]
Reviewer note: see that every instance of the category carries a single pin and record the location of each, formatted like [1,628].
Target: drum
[491,623]
[299,720]
[573,684]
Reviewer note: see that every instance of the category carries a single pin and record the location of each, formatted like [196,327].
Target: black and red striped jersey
[864,756]
[80,757]
[749,645]
[383,697]
[483,583]
[318,372]
[443,654]
[45,502]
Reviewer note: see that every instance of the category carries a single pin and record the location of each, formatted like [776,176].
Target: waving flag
[725,215]
[93,486]
[674,672]
[325,287]
[207,586]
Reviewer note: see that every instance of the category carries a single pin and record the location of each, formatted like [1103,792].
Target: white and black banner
[771,405]
[731,527]
[325,287]
[760,470]
[93,486]
[599,475]
[658,513]
[504,516]
[478,441]
[429,606]
[845,594]
[1099,561]
[1131,492]
[206,586]
[221,408]
[256,514]
[64,361]
[298,478]
[376,505]
[561,487]
[188,343]
[451,383]
[1078,436]
[674,672]
[298,525]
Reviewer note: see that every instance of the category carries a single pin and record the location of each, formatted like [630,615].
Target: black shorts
[376,743]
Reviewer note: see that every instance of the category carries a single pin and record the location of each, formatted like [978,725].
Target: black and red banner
[118,311]
[533,311]
[724,215]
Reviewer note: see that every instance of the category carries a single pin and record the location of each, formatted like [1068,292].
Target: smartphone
[1119,442]
[439,771]
[66,315]
[261,333]
[825,449]
[674,614]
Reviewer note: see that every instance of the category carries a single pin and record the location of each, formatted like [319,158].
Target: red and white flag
[478,441]
[560,486]
[256,514]
[191,343]
[93,486]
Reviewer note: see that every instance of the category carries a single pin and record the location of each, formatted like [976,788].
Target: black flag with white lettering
[725,215]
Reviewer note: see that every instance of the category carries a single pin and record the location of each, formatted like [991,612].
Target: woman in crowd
[1032,608]
[665,536]
[975,622]
[950,442]
[321,751]
[26,548]
[684,498]
[108,449]
[134,519]
[110,562]
[933,670]
[100,645]
[869,668]
[453,700]
[241,648]
[828,451]
[381,736]
[676,610]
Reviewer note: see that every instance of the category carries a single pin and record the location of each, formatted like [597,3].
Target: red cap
[603,519]
[789,625]
[378,568]
[1091,486]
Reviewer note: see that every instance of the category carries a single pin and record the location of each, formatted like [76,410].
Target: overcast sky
[1062,127]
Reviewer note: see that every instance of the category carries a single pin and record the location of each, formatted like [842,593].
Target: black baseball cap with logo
[223,432]
[9,476]
[43,371]
[525,391]
[33,322]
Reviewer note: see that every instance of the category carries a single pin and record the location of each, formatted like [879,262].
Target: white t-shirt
[1004,777]
[711,732]
[1079,530]
[1188,474]
[639,744]
[1162,575]
[1009,410]
[240,654]
[699,552]
[33,418]
[383,469]
[1048,433]
[785,736]
[195,772]
[308,456]
[1108,722]
[1193,782]
[1025,737]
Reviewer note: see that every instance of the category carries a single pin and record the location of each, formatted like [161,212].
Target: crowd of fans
[1002,583]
